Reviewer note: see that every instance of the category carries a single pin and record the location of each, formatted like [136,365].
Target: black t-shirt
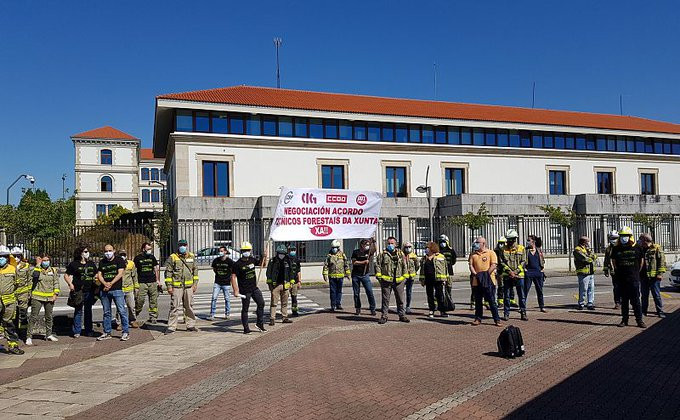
[244,269]
[429,270]
[627,262]
[109,270]
[359,255]
[223,270]
[83,275]
[146,264]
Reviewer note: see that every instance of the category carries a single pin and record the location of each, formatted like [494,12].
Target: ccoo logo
[321,230]
[308,198]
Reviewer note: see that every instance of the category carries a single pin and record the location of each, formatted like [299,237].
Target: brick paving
[338,366]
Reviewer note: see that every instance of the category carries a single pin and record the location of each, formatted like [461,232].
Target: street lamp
[28,177]
[427,189]
[163,198]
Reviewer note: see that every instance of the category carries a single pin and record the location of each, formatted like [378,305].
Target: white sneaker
[76,335]
[431,314]
[51,337]
[210,318]
[125,337]
[104,337]
[29,341]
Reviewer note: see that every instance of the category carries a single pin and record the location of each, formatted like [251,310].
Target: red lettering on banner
[336,198]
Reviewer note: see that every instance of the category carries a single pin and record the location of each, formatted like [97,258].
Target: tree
[651,221]
[37,216]
[114,214]
[474,221]
[565,218]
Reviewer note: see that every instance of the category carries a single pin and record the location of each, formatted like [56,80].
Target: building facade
[228,151]
[112,170]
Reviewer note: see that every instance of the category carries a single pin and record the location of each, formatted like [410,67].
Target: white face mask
[281,256]
[108,254]
[85,255]
[147,251]
[222,254]
[366,247]
[245,254]
[124,257]
[624,239]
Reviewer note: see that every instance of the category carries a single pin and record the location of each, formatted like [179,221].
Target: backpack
[510,343]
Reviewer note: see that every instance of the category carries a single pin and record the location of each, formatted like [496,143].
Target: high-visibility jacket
[451,257]
[584,260]
[512,259]
[655,261]
[24,272]
[499,256]
[45,283]
[391,267]
[336,266]
[181,270]
[295,269]
[441,272]
[608,268]
[275,266]
[130,282]
[412,266]
[8,280]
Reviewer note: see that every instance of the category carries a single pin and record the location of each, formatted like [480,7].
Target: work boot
[543,310]
[271,321]
[339,308]
[641,324]
[373,312]
[617,306]
[591,307]
[167,332]
[357,311]
[404,319]
[246,331]
[192,329]
[662,315]
[524,317]
[382,320]
[580,307]
[408,310]
[287,321]
[443,315]
[14,350]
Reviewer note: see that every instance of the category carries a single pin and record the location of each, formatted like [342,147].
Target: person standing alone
[361,277]
[627,260]
[222,267]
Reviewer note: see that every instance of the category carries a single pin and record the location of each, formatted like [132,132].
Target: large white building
[228,151]
[111,169]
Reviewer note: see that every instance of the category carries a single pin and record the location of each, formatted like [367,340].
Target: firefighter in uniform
[130,288]
[336,267]
[279,281]
[149,282]
[23,292]
[295,278]
[613,239]
[8,304]
[651,274]
[584,261]
[499,268]
[390,271]
[412,267]
[451,257]
[627,261]
[181,279]
[512,260]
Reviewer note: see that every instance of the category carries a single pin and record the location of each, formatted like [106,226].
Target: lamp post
[427,189]
[28,177]
[277,45]
[163,198]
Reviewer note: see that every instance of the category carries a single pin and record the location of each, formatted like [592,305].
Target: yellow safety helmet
[502,240]
[246,246]
[626,231]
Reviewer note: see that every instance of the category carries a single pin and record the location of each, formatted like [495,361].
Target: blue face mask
[182,249]
[45,264]
[476,246]
[624,239]
[292,253]
[3,261]
[390,247]
[335,250]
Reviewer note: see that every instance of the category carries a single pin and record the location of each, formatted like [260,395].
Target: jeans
[508,285]
[335,286]
[357,282]
[434,290]
[86,308]
[118,297]
[487,293]
[256,295]
[586,289]
[537,279]
[409,292]
[217,288]
[653,285]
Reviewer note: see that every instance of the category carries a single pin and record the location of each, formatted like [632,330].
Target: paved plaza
[342,366]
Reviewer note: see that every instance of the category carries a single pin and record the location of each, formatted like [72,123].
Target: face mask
[3,261]
[390,247]
[366,247]
[335,250]
[147,252]
[624,239]
[45,264]
[85,255]
[407,250]
[613,241]
[108,254]
[221,254]
[529,244]
[587,245]
[281,256]
[124,257]
[476,246]
[245,254]
[442,244]
[292,253]
[182,249]
[427,251]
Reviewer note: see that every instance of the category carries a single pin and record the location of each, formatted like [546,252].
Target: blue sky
[69,66]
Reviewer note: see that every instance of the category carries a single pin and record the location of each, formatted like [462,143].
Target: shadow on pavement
[637,379]
[574,321]
[358,318]
[446,321]
[493,354]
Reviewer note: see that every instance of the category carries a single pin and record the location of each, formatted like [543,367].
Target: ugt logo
[361,199]
[308,198]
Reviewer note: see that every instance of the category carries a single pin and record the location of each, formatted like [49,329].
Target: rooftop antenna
[621,104]
[435,80]
[533,95]
[277,45]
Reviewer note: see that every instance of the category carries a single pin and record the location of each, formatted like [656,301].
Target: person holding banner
[335,269]
[244,285]
[391,271]
[360,276]
[279,279]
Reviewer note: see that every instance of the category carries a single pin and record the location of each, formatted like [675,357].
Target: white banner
[305,214]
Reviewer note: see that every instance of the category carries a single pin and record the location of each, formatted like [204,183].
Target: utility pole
[63,187]
[277,45]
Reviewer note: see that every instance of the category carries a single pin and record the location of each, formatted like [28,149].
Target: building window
[387,132]
[106,184]
[316,128]
[557,182]
[145,174]
[401,133]
[269,126]
[184,120]
[648,184]
[101,210]
[428,134]
[455,181]
[333,177]
[155,174]
[146,197]
[285,127]
[202,121]
[164,176]
[155,196]
[373,131]
[253,125]
[236,124]
[215,179]
[396,181]
[360,131]
[330,129]
[345,130]
[605,183]
[106,157]
[220,122]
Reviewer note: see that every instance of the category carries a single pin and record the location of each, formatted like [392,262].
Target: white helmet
[335,244]
[511,234]
[17,251]
[613,234]
[444,238]
[4,250]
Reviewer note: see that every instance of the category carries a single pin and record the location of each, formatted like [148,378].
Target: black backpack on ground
[510,343]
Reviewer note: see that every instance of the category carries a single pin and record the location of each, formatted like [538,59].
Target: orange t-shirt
[481,261]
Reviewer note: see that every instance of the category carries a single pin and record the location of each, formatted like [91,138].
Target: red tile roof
[104,133]
[320,101]
[147,154]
